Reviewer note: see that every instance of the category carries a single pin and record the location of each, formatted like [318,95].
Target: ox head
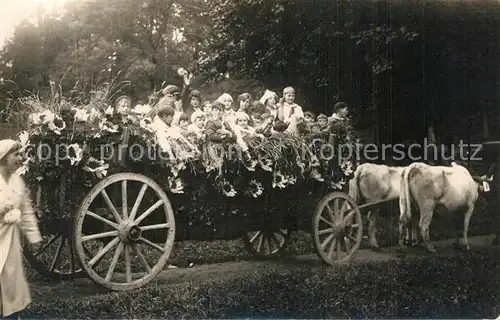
[483,182]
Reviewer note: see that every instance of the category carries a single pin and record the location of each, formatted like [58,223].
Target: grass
[426,287]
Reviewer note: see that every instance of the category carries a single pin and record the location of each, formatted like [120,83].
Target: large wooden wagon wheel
[266,243]
[144,233]
[337,228]
[56,258]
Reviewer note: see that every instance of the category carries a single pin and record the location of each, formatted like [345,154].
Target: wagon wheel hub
[129,231]
[339,229]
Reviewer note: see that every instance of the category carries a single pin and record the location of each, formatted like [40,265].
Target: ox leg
[412,237]
[403,231]
[372,229]
[425,222]
[467,217]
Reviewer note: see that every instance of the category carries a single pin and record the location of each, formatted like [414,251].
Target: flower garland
[279,161]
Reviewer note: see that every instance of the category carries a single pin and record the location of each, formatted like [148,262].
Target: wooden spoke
[261,242]
[100,218]
[155,227]
[326,221]
[152,244]
[141,257]
[128,264]
[350,237]
[329,230]
[104,250]
[124,199]
[276,241]
[325,243]
[339,249]
[71,256]
[255,236]
[343,209]
[149,211]
[349,216]
[100,235]
[268,245]
[346,244]
[58,254]
[330,213]
[116,256]
[45,246]
[138,201]
[111,206]
[333,245]
[336,210]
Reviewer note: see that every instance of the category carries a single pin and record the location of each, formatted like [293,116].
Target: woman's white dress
[15,294]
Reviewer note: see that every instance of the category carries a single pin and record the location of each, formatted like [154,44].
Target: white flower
[252,165]
[23,168]
[175,185]
[146,123]
[13,216]
[346,167]
[109,111]
[81,115]
[109,127]
[266,164]
[98,167]
[75,153]
[57,125]
[24,138]
[142,109]
[338,185]
[316,175]
[181,72]
[228,189]
[94,114]
[291,179]
[43,117]
[255,189]
[279,180]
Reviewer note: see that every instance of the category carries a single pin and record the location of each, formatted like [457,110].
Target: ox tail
[354,185]
[404,199]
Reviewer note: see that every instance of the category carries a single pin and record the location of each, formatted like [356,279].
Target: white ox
[374,183]
[437,188]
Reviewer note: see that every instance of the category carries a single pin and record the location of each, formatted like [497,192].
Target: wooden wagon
[131,218]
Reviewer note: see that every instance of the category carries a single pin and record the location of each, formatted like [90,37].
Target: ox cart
[118,222]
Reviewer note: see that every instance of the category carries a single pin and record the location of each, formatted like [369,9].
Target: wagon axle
[129,231]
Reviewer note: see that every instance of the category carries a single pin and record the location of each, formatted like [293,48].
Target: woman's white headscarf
[6,146]
[267,95]
[224,96]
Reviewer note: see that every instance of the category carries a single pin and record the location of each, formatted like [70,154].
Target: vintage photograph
[249,159]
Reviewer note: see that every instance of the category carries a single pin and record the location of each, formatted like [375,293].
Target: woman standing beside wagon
[16,215]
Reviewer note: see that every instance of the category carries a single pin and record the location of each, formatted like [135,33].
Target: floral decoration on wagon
[82,142]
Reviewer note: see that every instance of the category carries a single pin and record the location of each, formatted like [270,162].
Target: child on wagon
[197,125]
[242,120]
[244,100]
[218,130]
[290,109]
[322,121]
[227,102]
